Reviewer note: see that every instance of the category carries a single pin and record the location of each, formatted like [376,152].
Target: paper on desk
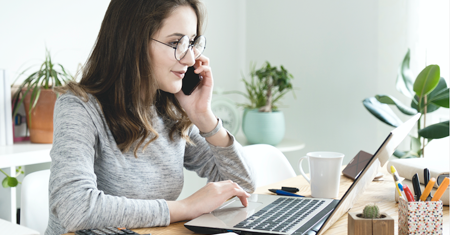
[408,167]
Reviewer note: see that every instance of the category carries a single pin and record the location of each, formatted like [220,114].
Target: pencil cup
[420,217]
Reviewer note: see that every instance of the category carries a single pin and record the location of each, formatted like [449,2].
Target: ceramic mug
[325,172]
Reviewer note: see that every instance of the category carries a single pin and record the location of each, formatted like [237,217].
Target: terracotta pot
[41,126]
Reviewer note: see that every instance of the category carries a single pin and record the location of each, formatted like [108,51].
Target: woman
[124,132]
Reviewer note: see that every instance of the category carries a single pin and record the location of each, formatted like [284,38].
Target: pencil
[441,189]
[427,190]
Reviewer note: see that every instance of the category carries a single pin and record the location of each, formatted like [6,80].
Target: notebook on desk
[274,214]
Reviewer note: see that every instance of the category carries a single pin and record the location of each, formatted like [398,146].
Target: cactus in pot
[370,222]
[371,212]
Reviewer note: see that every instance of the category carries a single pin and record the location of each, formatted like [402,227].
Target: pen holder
[420,217]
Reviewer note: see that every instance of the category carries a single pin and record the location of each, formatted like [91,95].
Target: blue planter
[263,128]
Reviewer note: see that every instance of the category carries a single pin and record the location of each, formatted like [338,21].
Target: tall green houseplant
[428,93]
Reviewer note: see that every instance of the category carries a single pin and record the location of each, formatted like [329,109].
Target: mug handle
[301,169]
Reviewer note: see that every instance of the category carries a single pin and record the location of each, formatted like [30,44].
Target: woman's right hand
[206,200]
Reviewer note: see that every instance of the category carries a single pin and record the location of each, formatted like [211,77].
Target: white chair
[268,164]
[34,200]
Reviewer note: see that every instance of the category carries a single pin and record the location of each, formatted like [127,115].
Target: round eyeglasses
[182,46]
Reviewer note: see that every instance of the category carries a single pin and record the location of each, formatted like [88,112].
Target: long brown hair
[119,76]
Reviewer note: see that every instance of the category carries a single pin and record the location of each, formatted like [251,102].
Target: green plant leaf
[435,131]
[405,154]
[9,181]
[387,99]
[404,82]
[440,95]
[427,80]
[399,153]
[382,112]
[430,107]
[5,182]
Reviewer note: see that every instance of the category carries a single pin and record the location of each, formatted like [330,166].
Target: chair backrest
[269,165]
[34,201]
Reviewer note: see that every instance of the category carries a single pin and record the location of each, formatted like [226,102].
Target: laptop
[275,214]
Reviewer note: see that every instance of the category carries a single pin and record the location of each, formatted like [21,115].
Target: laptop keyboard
[281,215]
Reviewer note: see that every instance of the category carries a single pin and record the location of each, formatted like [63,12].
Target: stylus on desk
[281,192]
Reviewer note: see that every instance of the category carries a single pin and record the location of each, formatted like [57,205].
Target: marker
[441,189]
[408,193]
[426,177]
[281,192]
[290,189]
[396,179]
[427,190]
[416,186]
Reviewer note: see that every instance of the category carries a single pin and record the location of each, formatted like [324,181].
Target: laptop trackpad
[233,212]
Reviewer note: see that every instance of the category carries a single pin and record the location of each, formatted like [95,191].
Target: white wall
[67,28]
[339,52]
[331,49]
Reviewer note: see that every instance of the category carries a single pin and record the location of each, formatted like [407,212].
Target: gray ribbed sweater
[93,184]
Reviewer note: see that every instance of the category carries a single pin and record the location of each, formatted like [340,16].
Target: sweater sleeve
[74,197]
[219,163]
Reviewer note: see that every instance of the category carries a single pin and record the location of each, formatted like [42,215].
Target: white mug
[325,172]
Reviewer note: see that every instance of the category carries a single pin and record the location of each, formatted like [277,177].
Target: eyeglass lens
[198,46]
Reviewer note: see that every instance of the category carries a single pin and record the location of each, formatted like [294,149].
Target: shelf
[286,145]
[24,153]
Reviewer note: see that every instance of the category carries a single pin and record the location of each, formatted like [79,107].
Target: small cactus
[371,212]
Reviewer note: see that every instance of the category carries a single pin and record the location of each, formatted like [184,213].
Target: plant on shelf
[370,221]
[263,123]
[11,181]
[266,87]
[428,93]
[37,95]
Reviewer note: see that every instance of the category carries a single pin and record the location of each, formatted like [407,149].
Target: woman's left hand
[198,104]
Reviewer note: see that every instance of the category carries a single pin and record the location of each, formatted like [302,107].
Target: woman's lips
[179,74]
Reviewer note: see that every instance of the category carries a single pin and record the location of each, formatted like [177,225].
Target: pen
[426,177]
[281,192]
[396,179]
[416,186]
[441,189]
[427,190]
[290,189]
[408,193]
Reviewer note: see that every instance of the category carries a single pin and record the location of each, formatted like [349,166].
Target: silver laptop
[274,214]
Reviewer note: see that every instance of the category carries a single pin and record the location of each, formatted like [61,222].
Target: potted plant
[370,221]
[37,95]
[428,93]
[262,121]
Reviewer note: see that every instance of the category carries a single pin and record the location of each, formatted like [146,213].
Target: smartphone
[357,164]
[190,81]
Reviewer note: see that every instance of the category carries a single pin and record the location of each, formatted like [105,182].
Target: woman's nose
[189,58]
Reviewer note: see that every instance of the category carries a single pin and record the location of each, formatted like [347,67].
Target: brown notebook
[357,164]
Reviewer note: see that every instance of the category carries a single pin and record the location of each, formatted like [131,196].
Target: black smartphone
[190,81]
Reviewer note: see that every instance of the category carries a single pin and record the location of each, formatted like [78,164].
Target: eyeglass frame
[191,45]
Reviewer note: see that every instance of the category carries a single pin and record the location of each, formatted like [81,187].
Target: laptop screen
[380,157]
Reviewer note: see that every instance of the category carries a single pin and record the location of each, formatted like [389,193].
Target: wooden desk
[380,192]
